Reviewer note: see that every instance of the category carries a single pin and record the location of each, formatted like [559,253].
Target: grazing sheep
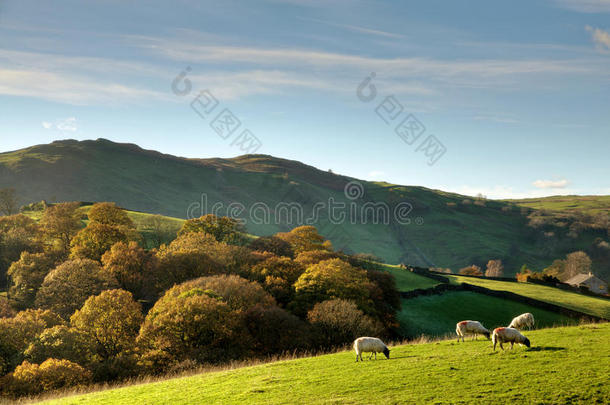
[473,328]
[508,335]
[522,321]
[372,345]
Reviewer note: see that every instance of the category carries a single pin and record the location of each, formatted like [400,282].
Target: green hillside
[572,203]
[445,230]
[564,365]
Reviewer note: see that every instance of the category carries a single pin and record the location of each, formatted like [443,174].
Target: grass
[407,281]
[578,302]
[564,365]
[587,204]
[436,315]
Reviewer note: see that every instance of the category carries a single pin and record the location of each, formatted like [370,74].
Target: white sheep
[372,345]
[508,335]
[522,321]
[473,328]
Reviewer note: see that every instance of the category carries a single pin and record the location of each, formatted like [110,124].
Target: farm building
[589,280]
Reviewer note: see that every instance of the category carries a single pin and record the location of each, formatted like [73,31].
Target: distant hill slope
[445,229]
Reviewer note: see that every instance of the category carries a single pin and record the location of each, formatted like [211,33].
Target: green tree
[67,287]
[8,201]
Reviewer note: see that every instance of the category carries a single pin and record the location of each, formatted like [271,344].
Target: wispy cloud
[355,28]
[563,183]
[585,6]
[496,118]
[600,38]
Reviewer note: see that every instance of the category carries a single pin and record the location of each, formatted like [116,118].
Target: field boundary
[507,295]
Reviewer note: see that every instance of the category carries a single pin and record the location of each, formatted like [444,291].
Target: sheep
[522,321]
[470,327]
[508,335]
[372,345]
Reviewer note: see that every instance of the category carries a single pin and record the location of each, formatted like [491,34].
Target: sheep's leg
[375,355]
[501,347]
[511,345]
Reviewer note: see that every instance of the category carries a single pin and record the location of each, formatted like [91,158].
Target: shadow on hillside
[545,349]
[400,357]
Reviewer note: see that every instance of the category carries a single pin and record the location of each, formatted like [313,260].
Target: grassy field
[578,302]
[407,281]
[436,315]
[588,204]
[564,365]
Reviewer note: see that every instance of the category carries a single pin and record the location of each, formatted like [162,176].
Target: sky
[506,99]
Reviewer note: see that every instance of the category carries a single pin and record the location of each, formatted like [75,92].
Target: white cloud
[550,183]
[356,28]
[600,38]
[376,175]
[63,125]
[586,6]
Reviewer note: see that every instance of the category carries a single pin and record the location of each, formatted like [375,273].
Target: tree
[272,244]
[305,238]
[18,234]
[61,342]
[275,330]
[277,275]
[331,279]
[223,229]
[340,321]
[134,268]
[495,268]
[309,257]
[52,374]
[472,270]
[576,263]
[67,287]
[112,320]
[8,201]
[385,297]
[159,230]
[27,275]
[109,214]
[60,222]
[555,269]
[94,240]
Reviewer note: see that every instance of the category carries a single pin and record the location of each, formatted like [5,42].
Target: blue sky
[518,93]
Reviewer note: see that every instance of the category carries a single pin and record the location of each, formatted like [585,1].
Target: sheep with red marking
[370,345]
[522,321]
[508,335]
[473,328]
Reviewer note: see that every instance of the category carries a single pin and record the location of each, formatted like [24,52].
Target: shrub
[67,287]
[340,321]
[472,270]
[52,374]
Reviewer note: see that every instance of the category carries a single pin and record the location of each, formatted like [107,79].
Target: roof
[581,278]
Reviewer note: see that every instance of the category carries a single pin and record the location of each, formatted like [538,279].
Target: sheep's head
[526,342]
[487,335]
[386,351]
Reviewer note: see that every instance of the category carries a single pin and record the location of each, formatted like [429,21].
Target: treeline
[90,304]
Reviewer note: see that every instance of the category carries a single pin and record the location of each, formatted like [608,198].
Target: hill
[435,228]
[571,203]
[564,365]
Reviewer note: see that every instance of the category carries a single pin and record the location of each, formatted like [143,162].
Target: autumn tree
[275,330]
[67,287]
[60,223]
[340,321]
[61,342]
[8,201]
[472,270]
[134,268]
[495,268]
[309,257]
[223,229]
[277,275]
[331,279]
[18,234]
[53,374]
[108,213]
[94,240]
[272,244]
[305,238]
[112,320]
[26,276]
